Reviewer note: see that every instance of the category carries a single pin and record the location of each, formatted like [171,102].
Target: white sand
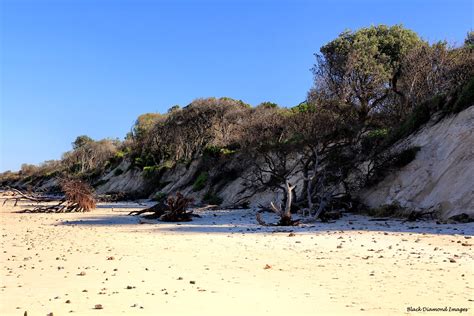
[351,267]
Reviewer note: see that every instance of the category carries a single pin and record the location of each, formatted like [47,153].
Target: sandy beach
[106,263]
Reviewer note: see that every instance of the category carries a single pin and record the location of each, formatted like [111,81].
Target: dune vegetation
[372,87]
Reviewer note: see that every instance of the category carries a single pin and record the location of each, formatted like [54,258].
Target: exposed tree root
[414,215]
[63,206]
[18,196]
[78,197]
[285,215]
[284,221]
[173,210]
[156,211]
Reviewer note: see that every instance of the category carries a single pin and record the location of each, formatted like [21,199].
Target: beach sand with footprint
[107,263]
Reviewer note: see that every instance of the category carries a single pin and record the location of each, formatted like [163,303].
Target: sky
[75,67]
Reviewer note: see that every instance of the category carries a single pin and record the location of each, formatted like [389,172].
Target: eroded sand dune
[224,264]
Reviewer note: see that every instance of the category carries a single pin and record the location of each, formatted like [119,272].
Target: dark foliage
[212,198]
[200,181]
[387,163]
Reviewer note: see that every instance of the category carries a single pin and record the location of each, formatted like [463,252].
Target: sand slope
[68,263]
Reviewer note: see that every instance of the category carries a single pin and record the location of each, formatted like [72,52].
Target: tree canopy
[362,67]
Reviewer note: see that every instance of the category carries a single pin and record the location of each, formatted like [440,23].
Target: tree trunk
[289,197]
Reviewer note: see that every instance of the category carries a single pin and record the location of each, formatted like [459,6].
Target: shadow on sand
[125,205]
[243,221]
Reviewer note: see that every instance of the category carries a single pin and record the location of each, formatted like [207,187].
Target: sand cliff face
[442,174]
[131,180]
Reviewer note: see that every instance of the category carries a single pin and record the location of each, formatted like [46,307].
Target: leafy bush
[50,175]
[212,151]
[394,161]
[138,161]
[268,105]
[465,98]
[374,138]
[150,172]
[304,107]
[168,164]
[200,181]
[217,151]
[159,197]
[143,160]
[421,114]
[119,155]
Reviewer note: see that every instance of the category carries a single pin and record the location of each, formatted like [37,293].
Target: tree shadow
[124,205]
[112,220]
[243,222]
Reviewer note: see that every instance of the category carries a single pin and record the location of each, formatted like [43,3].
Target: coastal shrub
[167,164]
[116,159]
[374,138]
[159,197]
[268,105]
[50,175]
[119,154]
[465,98]
[212,151]
[149,172]
[138,161]
[421,115]
[217,151]
[371,56]
[392,162]
[304,107]
[142,160]
[200,181]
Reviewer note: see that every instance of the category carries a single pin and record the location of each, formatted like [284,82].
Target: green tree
[469,41]
[175,107]
[81,141]
[268,105]
[145,123]
[362,68]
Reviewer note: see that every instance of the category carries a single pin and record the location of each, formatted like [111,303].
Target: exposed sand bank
[215,265]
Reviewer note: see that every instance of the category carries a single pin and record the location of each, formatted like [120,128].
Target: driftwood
[414,215]
[174,209]
[18,195]
[78,197]
[156,211]
[285,215]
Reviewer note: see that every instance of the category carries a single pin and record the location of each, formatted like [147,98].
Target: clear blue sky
[72,67]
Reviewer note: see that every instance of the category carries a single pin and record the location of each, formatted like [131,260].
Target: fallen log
[19,195]
[174,209]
